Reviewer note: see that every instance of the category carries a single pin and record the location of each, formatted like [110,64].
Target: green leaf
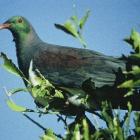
[75,20]
[49,135]
[135,70]
[68,27]
[85,130]
[129,107]
[15,107]
[135,36]
[58,94]
[134,40]
[84,19]
[137,124]
[117,131]
[135,56]
[13,91]
[46,137]
[136,84]
[76,133]
[127,120]
[131,92]
[127,84]
[10,66]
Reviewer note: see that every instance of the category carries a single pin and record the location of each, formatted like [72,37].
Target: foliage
[49,135]
[133,72]
[74,27]
[56,100]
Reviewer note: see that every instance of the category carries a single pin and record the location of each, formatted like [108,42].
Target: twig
[35,122]
[97,114]
[6,92]
[40,126]
[62,119]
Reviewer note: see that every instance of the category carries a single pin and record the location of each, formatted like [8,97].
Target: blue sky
[110,22]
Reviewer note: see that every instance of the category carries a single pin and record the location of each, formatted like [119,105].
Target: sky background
[110,22]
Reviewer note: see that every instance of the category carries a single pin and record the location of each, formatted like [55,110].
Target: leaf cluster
[132,73]
[74,27]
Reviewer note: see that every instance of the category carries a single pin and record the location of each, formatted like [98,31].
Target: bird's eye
[20,20]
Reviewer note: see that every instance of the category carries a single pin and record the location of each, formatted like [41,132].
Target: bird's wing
[70,67]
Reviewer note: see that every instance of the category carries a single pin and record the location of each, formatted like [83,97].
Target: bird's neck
[26,39]
[25,48]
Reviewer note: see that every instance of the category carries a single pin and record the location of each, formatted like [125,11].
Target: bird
[64,66]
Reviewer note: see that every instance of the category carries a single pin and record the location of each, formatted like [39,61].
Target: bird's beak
[5,26]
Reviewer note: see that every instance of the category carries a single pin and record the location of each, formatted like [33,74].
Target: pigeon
[65,66]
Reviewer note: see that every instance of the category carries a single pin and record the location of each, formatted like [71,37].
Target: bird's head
[17,25]
[20,28]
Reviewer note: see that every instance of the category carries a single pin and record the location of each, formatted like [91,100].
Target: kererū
[65,66]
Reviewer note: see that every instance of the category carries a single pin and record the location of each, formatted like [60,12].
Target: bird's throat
[25,47]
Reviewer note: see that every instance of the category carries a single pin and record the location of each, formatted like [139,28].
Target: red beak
[5,26]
